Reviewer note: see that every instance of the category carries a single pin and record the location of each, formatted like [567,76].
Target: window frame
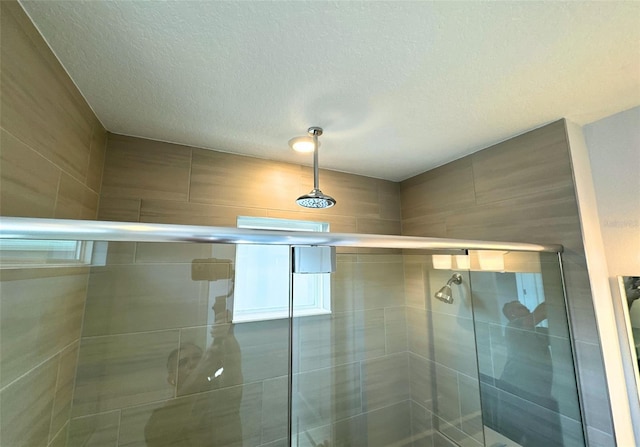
[318,286]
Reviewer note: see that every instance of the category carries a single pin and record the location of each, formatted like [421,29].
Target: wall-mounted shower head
[445,294]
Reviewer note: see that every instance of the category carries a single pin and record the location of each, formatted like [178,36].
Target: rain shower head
[445,294]
[316,198]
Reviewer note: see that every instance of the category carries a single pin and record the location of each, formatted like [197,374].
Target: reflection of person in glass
[528,374]
[207,410]
[528,358]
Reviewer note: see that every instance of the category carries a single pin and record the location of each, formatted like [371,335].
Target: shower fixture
[445,293]
[316,198]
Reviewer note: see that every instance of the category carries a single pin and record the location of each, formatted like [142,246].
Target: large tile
[439,440]
[219,178]
[40,104]
[113,253]
[25,414]
[229,417]
[40,316]
[447,404]
[593,384]
[548,216]
[265,349]
[598,438]
[136,168]
[96,430]
[122,370]
[324,396]
[136,298]
[470,411]
[421,426]
[454,341]
[283,442]
[420,332]
[433,224]
[174,212]
[422,381]
[385,381]
[133,420]
[377,226]
[565,388]
[483,348]
[581,311]
[535,161]
[351,431]
[223,351]
[60,438]
[389,198]
[96,157]
[490,292]
[342,337]
[163,253]
[313,437]
[498,349]
[395,325]
[343,285]
[75,200]
[355,195]
[313,342]
[64,389]
[414,284]
[520,419]
[450,435]
[337,224]
[275,407]
[119,210]
[444,188]
[29,182]
[390,425]
[378,285]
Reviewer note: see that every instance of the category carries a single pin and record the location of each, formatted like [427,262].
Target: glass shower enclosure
[118,334]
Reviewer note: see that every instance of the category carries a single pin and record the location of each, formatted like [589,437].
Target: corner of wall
[598,278]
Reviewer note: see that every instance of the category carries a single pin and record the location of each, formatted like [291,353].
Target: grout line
[189,180]
[37,366]
[55,395]
[55,202]
[65,425]
[119,426]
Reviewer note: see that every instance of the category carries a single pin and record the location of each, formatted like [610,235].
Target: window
[531,291]
[262,276]
[45,253]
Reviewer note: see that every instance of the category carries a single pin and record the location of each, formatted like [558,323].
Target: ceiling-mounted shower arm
[315,132]
[316,198]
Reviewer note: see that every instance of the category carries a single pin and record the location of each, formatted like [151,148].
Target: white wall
[614,151]
[613,146]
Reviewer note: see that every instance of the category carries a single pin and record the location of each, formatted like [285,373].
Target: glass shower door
[166,360]
[526,368]
[350,383]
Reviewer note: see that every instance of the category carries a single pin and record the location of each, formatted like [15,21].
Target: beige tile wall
[518,190]
[151,181]
[51,158]
[349,367]
[52,144]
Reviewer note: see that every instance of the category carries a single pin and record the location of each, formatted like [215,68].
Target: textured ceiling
[399,87]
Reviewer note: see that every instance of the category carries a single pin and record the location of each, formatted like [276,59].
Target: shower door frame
[107,231]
